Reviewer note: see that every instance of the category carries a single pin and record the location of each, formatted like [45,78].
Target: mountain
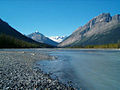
[41,38]
[6,31]
[103,29]
[58,38]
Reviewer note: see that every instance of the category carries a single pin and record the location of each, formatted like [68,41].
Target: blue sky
[53,17]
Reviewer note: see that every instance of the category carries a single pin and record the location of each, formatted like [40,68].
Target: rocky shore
[17,72]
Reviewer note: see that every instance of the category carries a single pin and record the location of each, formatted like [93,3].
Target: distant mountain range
[103,29]
[58,38]
[13,36]
[37,36]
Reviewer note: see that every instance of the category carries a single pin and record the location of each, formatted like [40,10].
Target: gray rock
[41,38]
[17,72]
[102,29]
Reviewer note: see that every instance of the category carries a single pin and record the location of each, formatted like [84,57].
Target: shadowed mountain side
[42,39]
[103,29]
[6,29]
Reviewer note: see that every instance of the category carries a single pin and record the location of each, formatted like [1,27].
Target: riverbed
[86,69]
[17,71]
[66,69]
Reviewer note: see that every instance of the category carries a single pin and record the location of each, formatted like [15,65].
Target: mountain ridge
[37,36]
[98,25]
[7,31]
[57,38]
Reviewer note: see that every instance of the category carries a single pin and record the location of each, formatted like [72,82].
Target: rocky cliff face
[96,31]
[41,38]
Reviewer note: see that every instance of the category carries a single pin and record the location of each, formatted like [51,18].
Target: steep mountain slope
[103,29]
[41,38]
[6,29]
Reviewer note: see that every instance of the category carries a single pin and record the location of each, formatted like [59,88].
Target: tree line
[7,41]
[111,45]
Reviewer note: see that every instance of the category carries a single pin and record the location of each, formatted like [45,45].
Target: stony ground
[17,72]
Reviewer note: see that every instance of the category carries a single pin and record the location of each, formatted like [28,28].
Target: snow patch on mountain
[57,38]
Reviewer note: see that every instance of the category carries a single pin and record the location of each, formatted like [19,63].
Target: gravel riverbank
[17,72]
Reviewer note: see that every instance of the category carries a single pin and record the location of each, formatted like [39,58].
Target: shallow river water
[85,69]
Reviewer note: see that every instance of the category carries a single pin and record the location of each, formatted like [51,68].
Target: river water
[85,69]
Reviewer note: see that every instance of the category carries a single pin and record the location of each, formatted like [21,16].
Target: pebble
[17,72]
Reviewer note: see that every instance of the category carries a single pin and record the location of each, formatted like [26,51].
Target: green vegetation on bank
[7,41]
[113,45]
[117,45]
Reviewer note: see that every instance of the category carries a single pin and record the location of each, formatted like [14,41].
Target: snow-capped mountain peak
[37,36]
[57,38]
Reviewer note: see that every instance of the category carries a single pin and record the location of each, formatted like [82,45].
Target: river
[85,69]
